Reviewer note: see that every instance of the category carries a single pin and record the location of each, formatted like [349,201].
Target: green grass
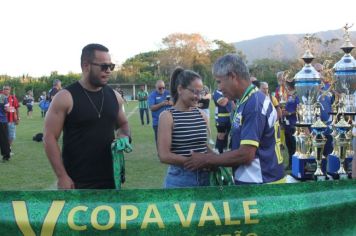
[29,168]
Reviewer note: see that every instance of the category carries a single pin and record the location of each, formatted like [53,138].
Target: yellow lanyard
[248,92]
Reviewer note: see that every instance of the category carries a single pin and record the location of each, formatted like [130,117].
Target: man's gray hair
[279,74]
[231,63]
[263,83]
[56,81]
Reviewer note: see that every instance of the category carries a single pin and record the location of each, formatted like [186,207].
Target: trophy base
[334,165]
[304,168]
[320,177]
[343,176]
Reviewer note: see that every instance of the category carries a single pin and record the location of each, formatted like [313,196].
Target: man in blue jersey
[326,99]
[158,101]
[255,153]
[290,119]
[222,120]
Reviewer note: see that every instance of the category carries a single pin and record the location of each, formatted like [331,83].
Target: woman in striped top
[182,130]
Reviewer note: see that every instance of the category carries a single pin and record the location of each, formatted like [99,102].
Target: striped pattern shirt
[142,99]
[189,132]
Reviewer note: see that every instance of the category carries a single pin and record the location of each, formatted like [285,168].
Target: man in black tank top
[88,112]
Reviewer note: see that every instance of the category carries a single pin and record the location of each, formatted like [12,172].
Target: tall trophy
[345,86]
[342,143]
[318,144]
[307,84]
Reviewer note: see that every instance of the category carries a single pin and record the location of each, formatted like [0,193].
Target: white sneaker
[216,150]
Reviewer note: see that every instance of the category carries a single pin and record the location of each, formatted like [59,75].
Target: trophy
[342,141]
[345,86]
[318,145]
[307,84]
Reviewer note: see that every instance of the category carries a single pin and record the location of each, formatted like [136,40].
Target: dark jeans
[4,141]
[290,142]
[143,110]
[220,145]
[328,148]
[155,129]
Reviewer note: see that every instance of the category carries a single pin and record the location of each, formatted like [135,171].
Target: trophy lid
[342,123]
[345,68]
[308,72]
[319,124]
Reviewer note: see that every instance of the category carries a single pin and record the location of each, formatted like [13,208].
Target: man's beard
[94,81]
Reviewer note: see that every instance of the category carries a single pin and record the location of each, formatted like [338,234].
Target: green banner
[313,208]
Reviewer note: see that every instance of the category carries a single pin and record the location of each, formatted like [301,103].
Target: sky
[41,36]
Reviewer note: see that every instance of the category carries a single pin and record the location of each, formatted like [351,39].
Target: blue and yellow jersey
[255,123]
[222,113]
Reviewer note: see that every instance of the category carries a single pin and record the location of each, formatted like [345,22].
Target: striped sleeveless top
[189,132]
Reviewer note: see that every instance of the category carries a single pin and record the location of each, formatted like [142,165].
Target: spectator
[88,111]
[290,119]
[13,114]
[4,135]
[57,85]
[158,101]
[223,109]
[204,104]
[142,96]
[43,96]
[183,129]
[255,152]
[264,89]
[44,105]
[326,98]
[29,101]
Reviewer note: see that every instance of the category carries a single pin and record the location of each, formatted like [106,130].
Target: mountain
[290,46]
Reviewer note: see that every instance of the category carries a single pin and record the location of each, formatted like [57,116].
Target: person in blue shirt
[44,105]
[290,119]
[255,153]
[158,101]
[326,98]
[222,120]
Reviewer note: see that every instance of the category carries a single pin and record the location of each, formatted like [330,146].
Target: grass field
[29,168]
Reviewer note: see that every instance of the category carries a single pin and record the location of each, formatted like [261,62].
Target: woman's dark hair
[183,78]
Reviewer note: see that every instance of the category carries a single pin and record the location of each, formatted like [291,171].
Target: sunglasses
[160,88]
[104,67]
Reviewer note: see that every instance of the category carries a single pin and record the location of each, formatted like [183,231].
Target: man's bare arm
[59,108]
[123,124]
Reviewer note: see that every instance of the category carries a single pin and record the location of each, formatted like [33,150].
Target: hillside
[288,46]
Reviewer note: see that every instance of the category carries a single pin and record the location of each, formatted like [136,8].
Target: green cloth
[142,99]
[221,177]
[118,147]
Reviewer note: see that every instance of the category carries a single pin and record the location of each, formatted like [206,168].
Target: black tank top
[87,138]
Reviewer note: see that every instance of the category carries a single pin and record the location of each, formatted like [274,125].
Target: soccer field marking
[129,114]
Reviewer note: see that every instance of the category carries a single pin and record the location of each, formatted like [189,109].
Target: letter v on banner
[23,222]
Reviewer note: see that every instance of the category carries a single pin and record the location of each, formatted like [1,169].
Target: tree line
[191,51]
